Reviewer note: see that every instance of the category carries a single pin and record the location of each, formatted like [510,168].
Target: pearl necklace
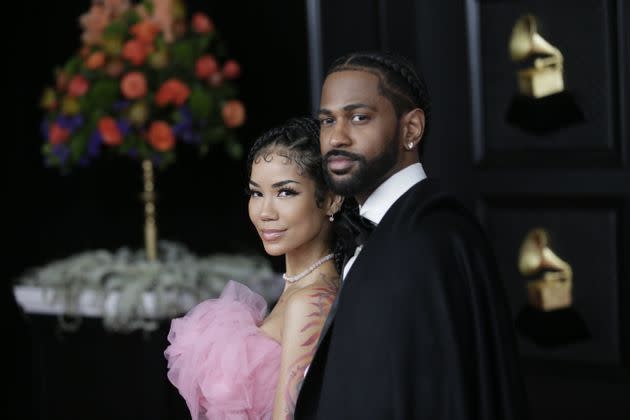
[293,279]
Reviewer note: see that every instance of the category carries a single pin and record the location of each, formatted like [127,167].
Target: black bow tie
[361,227]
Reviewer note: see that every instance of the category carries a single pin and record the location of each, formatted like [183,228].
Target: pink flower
[206,66]
[135,51]
[78,86]
[231,69]
[161,136]
[233,113]
[201,23]
[133,85]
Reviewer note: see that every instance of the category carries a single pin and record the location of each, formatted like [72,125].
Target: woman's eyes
[283,192]
[286,192]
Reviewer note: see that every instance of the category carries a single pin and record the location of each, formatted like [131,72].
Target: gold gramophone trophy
[542,103]
[545,77]
[552,290]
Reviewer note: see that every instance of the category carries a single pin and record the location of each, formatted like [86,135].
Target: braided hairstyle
[398,82]
[297,140]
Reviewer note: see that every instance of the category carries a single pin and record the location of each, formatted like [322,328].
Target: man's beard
[368,175]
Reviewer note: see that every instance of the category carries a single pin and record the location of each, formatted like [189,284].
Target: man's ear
[413,128]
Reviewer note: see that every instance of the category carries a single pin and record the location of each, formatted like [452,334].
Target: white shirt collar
[389,191]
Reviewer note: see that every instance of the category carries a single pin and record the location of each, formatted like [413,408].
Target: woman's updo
[297,140]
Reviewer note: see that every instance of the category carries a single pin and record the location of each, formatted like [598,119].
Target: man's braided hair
[398,81]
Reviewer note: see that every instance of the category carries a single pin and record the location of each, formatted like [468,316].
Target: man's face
[359,134]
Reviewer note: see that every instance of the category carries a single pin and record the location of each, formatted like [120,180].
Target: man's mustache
[343,153]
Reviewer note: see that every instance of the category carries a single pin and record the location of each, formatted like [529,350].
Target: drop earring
[332,217]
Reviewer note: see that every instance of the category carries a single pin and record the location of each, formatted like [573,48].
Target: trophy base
[552,328]
[543,115]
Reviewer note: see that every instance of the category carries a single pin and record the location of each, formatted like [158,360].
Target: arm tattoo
[321,299]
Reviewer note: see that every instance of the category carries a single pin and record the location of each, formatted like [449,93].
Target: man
[420,329]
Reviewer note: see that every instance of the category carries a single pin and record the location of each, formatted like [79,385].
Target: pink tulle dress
[223,365]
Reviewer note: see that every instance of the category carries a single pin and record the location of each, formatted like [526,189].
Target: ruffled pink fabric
[223,365]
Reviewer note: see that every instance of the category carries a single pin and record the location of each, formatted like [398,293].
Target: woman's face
[282,205]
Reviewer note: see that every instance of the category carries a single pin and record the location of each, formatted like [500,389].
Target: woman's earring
[410,145]
[332,217]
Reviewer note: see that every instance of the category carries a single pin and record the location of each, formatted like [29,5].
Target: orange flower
[231,69]
[173,90]
[57,134]
[133,85]
[145,31]
[205,66]
[110,132]
[135,51]
[201,23]
[161,136]
[233,113]
[95,60]
[78,86]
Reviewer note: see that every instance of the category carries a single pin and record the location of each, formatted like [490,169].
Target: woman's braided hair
[297,140]
[398,81]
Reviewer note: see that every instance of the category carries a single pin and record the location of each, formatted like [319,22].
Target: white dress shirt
[384,196]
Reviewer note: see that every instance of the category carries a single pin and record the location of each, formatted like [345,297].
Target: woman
[226,357]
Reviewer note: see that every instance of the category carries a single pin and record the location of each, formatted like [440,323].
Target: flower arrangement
[144,80]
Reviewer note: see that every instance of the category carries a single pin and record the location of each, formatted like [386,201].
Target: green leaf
[200,103]
[183,54]
[103,94]
[214,135]
[116,29]
[72,65]
[234,149]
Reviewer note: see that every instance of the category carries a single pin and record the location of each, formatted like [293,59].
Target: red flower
[78,86]
[161,136]
[145,31]
[135,51]
[206,66]
[57,134]
[233,113]
[231,69]
[110,132]
[173,90]
[133,85]
[201,23]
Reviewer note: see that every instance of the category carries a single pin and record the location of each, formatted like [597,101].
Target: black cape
[421,327]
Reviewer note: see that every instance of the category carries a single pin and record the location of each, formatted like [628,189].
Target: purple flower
[120,105]
[124,126]
[184,127]
[45,127]
[70,123]
[61,152]
[94,144]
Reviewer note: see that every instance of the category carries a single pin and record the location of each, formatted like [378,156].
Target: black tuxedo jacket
[421,327]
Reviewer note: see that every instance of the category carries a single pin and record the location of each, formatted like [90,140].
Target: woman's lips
[339,163]
[271,234]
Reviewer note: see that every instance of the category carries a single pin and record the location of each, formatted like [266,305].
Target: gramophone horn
[535,255]
[526,40]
